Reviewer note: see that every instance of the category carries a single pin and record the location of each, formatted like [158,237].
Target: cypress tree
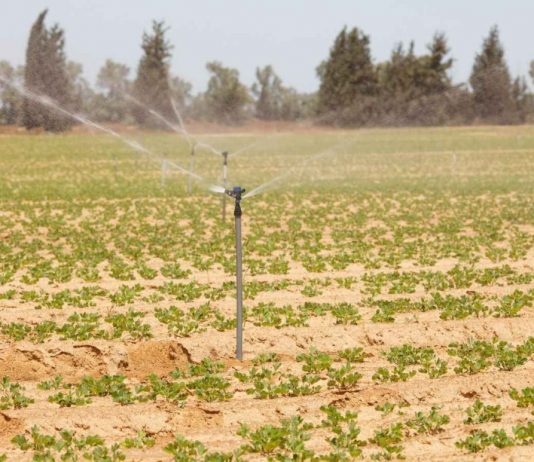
[151,86]
[491,82]
[33,113]
[56,80]
[399,75]
[46,74]
[348,73]
[521,99]
[436,65]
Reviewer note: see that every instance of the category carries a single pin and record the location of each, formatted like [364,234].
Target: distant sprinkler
[163,175]
[226,155]
[237,193]
[191,169]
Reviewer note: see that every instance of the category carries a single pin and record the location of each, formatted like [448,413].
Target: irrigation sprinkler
[236,193]
[191,169]
[163,175]
[225,183]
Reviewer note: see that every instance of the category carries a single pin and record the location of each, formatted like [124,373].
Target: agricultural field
[388,294]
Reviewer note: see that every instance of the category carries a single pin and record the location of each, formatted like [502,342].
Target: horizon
[248,41]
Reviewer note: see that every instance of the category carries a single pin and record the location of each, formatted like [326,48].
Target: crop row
[183,323]
[118,239]
[289,440]
[269,378]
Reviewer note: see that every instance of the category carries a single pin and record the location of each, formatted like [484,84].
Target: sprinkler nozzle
[236,193]
[225,156]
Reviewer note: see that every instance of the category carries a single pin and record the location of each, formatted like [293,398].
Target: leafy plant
[479,440]
[286,442]
[524,397]
[428,424]
[343,377]
[389,440]
[12,395]
[53,384]
[67,446]
[269,381]
[345,313]
[140,441]
[481,413]
[130,323]
[315,361]
[345,442]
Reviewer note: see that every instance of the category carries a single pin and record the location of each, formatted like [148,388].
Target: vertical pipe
[239,280]
[225,181]
[191,169]
[163,173]
[115,169]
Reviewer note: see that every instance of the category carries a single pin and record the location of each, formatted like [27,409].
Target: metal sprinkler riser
[237,193]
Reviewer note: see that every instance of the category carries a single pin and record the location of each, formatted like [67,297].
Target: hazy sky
[292,35]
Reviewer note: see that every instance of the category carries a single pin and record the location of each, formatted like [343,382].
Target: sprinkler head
[225,156]
[236,192]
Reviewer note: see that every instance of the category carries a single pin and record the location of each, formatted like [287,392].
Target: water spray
[178,129]
[236,193]
[193,144]
[136,146]
[299,168]
[225,184]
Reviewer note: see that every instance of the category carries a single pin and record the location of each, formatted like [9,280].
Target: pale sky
[292,35]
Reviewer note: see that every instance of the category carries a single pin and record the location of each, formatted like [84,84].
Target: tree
[399,77]
[46,74]
[81,91]
[10,100]
[33,112]
[268,92]
[152,86]
[59,87]
[407,76]
[348,74]
[436,65]
[113,80]
[274,101]
[292,104]
[226,97]
[181,93]
[521,100]
[491,82]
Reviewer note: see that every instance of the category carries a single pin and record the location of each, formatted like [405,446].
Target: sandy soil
[216,424]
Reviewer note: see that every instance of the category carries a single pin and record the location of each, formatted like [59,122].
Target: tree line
[406,89]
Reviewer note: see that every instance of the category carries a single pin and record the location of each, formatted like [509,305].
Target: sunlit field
[388,290]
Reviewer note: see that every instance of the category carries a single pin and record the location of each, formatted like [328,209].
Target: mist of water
[244,149]
[276,181]
[178,115]
[49,102]
[217,189]
[180,129]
